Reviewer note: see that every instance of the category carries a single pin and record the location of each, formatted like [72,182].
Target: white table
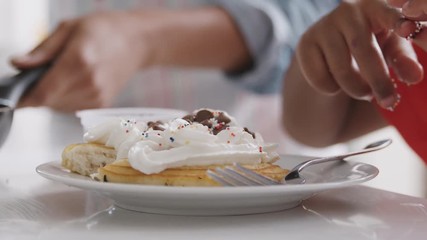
[32,207]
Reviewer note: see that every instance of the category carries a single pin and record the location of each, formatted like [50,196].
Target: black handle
[14,87]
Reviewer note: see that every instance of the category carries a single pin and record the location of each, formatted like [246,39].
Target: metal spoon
[242,176]
[293,177]
[11,90]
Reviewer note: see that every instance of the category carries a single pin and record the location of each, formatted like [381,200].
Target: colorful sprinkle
[233,135]
[172,139]
[260,149]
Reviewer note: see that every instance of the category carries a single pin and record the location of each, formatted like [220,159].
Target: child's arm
[343,57]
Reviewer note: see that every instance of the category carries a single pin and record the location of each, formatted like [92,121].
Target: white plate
[220,200]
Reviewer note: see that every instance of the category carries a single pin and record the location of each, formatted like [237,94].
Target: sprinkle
[228,128]
[398,99]
[158,134]
[418,28]
[127,131]
[172,139]
[228,141]
[146,134]
[233,135]
[160,144]
[260,149]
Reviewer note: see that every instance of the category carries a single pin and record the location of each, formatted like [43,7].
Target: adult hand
[352,48]
[92,58]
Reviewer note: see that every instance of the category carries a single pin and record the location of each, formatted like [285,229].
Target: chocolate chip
[189,118]
[251,133]
[203,115]
[222,118]
[156,125]
[150,123]
[207,123]
[218,128]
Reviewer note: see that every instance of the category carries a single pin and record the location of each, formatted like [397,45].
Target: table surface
[32,207]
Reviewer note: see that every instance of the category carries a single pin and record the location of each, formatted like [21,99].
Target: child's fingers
[343,68]
[405,28]
[368,55]
[313,66]
[381,16]
[414,8]
[397,3]
[401,57]
[421,39]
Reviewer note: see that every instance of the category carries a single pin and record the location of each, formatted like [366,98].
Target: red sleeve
[410,116]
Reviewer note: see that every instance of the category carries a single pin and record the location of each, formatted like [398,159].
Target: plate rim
[91,185]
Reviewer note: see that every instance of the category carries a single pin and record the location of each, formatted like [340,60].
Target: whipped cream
[207,137]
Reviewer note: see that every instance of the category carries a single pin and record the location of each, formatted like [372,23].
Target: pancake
[182,176]
[86,158]
[98,161]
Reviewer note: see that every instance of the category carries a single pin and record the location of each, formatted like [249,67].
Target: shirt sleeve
[271,30]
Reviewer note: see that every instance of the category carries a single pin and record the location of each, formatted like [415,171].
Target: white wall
[23,23]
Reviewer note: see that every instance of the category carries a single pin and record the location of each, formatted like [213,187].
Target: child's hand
[414,10]
[352,48]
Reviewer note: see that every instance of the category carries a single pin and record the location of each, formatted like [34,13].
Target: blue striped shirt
[271,29]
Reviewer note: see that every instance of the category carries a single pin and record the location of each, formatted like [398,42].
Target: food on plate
[174,153]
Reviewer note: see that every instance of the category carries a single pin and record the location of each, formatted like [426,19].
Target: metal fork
[238,175]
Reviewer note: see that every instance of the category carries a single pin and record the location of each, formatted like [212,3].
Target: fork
[238,175]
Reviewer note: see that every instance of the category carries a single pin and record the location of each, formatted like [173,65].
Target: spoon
[12,88]
[239,175]
[293,177]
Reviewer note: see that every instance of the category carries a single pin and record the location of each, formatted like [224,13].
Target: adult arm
[94,56]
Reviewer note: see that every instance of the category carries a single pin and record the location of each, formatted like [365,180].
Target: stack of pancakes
[99,162]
